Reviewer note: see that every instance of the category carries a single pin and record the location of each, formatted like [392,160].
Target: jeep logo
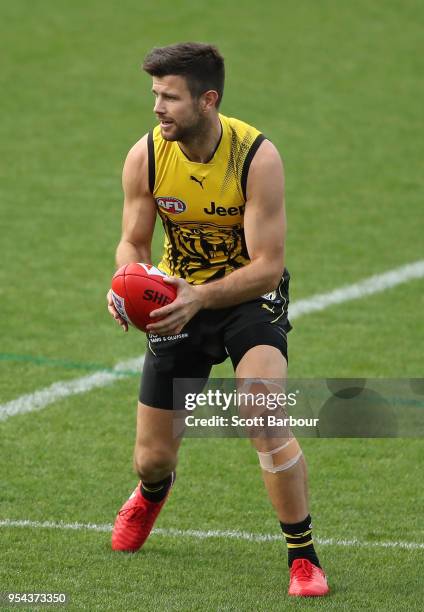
[222,211]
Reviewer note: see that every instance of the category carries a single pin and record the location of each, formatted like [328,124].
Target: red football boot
[307,580]
[135,521]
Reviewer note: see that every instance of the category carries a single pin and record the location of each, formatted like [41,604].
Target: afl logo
[171,205]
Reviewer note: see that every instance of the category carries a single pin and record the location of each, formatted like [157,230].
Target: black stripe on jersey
[217,144]
[151,157]
[245,172]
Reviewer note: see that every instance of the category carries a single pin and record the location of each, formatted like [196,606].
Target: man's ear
[208,100]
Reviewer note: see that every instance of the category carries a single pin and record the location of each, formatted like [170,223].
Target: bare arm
[264,227]
[139,215]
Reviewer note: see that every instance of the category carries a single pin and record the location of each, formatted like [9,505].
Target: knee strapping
[282,458]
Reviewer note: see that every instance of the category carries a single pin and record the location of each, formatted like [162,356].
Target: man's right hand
[114,313]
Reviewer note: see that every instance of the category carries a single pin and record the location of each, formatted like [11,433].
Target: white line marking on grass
[54,525]
[374,284]
[369,286]
[202,535]
[61,389]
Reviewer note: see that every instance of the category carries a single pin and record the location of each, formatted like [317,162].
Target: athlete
[217,185]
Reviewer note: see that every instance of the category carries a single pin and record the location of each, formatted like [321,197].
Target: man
[217,185]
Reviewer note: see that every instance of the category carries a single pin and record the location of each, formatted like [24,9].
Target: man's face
[177,111]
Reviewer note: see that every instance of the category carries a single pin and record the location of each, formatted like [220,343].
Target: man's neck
[202,146]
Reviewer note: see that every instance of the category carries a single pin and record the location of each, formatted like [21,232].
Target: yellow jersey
[201,205]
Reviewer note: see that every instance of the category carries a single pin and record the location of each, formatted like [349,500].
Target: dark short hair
[202,65]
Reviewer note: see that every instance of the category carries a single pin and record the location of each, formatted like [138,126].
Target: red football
[137,290]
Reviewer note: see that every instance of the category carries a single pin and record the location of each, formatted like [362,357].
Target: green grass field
[338,87]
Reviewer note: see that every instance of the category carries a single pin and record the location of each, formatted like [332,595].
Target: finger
[172,280]
[115,314]
[165,311]
[122,323]
[157,328]
[109,296]
[110,304]
[176,282]
[164,326]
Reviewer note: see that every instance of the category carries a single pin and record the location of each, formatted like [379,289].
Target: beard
[187,132]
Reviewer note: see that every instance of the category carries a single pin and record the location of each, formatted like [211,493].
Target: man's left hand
[176,315]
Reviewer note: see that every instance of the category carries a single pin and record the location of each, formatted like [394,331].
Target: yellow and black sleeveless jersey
[202,205]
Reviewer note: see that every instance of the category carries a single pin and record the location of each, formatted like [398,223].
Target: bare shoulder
[137,155]
[266,171]
[267,157]
[135,172]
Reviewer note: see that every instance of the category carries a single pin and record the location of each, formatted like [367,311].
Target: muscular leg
[287,489]
[155,458]
[156,448]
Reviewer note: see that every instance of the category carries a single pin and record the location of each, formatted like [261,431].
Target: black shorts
[209,338]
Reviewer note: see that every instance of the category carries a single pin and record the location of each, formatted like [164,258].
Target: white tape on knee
[282,458]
